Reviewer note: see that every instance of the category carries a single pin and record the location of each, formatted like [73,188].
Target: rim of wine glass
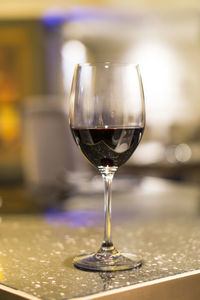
[136,65]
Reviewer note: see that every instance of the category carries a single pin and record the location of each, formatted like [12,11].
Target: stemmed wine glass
[107,120]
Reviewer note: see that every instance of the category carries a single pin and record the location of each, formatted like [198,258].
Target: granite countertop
[160,222]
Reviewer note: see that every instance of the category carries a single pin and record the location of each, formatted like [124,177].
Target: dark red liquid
[107,147]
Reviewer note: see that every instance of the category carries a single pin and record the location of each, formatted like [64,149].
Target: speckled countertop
[36,251]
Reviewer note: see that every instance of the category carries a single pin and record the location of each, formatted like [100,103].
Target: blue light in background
[55,16]
[53,21]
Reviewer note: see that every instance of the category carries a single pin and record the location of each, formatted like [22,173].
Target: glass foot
[108,259]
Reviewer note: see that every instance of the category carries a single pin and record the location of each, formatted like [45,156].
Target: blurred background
[40,42]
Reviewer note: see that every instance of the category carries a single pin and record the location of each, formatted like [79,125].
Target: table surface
[157,220]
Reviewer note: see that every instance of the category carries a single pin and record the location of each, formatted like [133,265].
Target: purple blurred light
[74,218]
[57,15]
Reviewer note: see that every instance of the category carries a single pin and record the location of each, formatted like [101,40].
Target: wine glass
[107,120]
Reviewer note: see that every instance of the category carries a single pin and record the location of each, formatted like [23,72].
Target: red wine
[107,147]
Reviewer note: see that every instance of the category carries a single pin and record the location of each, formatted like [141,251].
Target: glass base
[107,259]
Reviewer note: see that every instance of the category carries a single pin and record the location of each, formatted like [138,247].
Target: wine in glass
[107,119]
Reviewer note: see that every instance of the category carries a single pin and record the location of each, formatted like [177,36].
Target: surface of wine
[107,147]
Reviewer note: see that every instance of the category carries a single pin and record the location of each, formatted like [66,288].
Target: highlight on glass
[107,120]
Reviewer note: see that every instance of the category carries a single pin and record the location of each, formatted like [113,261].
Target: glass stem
[107,208]
[107,174]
